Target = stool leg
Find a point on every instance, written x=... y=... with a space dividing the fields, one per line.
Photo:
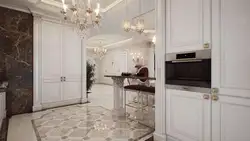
x=124 y=100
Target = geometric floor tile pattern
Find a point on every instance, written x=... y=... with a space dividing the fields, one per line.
x=87 y=123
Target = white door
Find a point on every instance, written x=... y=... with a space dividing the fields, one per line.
x=230 y=70
x=71 y=64
x=51 y=62
x=188 y=25
x=188 y=115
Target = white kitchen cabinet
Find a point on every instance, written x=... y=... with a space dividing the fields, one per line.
x=188 y=115
x=61 y=58
x=188 y=25
x=230 y=70
x=230 y=119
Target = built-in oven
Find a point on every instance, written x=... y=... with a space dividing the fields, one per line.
x=189 y=69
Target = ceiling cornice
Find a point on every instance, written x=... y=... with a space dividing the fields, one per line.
x=26 y=10
x=106 y=9
x=115 y=43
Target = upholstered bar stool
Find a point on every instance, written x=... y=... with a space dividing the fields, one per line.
x=142 y=90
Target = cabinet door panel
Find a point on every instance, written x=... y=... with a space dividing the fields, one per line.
x=51 y=50
x=71 y=67
x=51 y=62
x=51 y=92
x=188 y=116
x=230 y=120
x=71 y=52
x=231 y=50
x=188 y=25
x=72 y=89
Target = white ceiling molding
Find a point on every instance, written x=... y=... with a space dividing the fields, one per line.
x=106 y=9
x=60 y=5
x=53 y=3
x=34 y=1
x=116 y=43
x=26 y=10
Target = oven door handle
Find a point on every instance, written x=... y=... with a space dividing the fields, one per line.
x=188 y=60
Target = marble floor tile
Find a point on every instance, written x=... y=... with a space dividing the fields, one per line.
x=87 y=123
x=77 y=122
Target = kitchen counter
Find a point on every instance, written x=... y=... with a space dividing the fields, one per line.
x=130 y=76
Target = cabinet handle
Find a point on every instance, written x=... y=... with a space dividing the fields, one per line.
x=206 y=45
x=61 y=79
x=64 y=78
x=206 y=96
x=215 y=97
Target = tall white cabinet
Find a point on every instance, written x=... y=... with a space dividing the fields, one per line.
x=231 y=67
x=223 y=115
x=59 y=66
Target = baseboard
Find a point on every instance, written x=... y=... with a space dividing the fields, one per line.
x=85 y=100
x=159 y=137
x=36 y=108
x=169 y=138
x=61 y=103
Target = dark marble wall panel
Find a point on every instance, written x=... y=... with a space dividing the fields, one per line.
x=16 y=59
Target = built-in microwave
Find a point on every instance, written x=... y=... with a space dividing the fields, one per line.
x=189 y=69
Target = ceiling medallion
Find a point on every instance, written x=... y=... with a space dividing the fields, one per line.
x=100 y=51
x=81 y=13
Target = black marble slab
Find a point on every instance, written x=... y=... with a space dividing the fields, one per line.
x=16 y=59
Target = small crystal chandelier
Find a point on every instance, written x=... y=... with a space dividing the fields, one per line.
x=139 y=26
x=100 y=51
x=82 y=14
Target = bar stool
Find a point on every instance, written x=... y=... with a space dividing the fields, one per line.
x=142 y=90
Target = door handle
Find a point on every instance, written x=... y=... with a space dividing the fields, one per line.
x=215 y=97
x=206 y=96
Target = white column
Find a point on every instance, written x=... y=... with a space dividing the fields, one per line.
x=84 y=97
x=119 y=109
x=160 y=95
x=37 y=32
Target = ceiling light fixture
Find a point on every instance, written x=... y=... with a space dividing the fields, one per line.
x=139 y=26
x=100 y=51
x=82 y=14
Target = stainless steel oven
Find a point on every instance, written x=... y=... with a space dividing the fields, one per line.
x=189 y=69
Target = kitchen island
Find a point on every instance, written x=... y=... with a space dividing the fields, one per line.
x=119 y=98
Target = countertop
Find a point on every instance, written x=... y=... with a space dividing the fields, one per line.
x=131 y=76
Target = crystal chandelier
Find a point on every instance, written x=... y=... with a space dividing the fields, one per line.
x=138 y=27
x=81 y=13
x=100 y=51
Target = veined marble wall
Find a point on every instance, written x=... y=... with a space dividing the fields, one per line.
x=16 y=53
